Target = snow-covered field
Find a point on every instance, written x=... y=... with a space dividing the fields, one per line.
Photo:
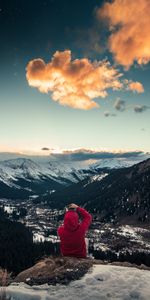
x=103 y=282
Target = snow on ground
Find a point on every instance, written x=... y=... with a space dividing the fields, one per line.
x=9 y=209
x=96 y=178
x=134 y=233
x=39 y=237
x=130 y=230
x=102 y=283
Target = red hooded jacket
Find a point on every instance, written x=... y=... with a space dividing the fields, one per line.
x=72 y=233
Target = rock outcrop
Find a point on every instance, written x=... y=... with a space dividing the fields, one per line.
x=53 y=270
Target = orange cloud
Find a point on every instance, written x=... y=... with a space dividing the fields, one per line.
x=129 y=23
x=136 y=87
x=74 y=83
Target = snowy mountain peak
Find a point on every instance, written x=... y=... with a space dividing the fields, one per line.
x=115 y=163
x=19 y=163
x=19 y=168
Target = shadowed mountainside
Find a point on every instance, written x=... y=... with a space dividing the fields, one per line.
x=122 y=194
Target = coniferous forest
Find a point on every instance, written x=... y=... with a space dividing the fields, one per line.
x=17 y=250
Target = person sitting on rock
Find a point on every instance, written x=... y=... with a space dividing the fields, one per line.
x=72 y=232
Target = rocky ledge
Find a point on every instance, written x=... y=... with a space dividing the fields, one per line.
x=55 y=270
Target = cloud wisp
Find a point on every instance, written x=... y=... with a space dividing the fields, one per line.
x=140 y=108
x=86 y=154
x=88 y=41
x=129 y=24
x=109 y=114
x=120 y=105
x=45 y=149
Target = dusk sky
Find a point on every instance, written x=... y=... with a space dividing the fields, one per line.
x=74 y=74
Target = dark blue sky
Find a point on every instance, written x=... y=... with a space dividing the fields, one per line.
x=29 y=27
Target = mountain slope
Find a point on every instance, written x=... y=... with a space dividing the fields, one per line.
x=21 y=177
x=124 y=193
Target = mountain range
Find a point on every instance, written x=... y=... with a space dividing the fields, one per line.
x=21 y=178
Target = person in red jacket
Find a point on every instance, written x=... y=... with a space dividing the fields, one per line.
x=72 y=232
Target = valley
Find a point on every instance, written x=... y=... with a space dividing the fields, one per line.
x=107 y=241
x=118 y=199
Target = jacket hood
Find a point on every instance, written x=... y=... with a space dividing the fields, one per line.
x=71 y=220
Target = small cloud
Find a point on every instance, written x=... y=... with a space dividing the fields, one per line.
x=108 y=114
x=135 y=86
x=129 y=24
x=45 y=149
x=119 y=105
x=140 y=108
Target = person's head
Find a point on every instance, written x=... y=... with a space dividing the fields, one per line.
x=71 y=220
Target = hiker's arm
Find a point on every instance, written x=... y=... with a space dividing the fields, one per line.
x=86 y=218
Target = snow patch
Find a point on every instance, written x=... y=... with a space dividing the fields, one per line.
x=104 y=282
